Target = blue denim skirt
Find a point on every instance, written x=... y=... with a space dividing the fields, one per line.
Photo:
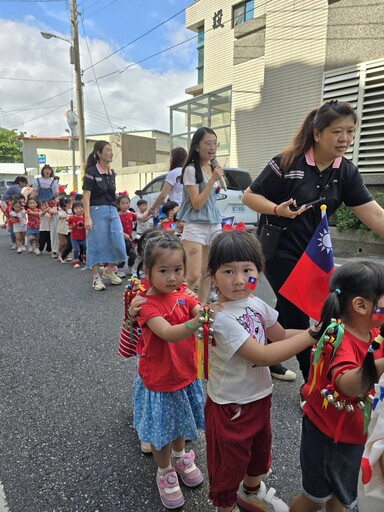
x=105 y=241
x=162 y=417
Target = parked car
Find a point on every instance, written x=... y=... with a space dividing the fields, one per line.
x=228 y=202
x=4 y=184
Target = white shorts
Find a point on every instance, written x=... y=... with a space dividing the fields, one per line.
x=200 y=233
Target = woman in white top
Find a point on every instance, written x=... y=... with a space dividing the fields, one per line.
x=198 y=209
x=172 y=187
x=46 y=186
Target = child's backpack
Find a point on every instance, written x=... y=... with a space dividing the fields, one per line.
x=44 y=194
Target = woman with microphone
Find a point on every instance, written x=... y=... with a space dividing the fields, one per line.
x=201 y=217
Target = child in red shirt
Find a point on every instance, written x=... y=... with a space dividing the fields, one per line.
x=127 y=219
x=78 y=233
x=33 y=225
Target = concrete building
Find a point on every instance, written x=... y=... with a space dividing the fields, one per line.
x=262 y=66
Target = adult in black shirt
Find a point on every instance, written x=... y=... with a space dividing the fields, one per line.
x=105 y=240
x=312 y=167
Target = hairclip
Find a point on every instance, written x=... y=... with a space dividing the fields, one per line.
x=337 y=291
x=333 y=102
x=376 y=343
x=240 y=226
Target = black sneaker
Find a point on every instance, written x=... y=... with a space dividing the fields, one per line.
x=280 y=372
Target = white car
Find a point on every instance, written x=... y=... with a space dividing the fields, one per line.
x=228 y=202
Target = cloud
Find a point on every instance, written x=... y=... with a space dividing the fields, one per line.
x=138 y=98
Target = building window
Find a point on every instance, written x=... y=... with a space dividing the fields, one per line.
x=200 y=54
x=243 y=12
x=213 y=110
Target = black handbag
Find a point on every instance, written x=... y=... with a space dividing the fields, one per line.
x=269 y=238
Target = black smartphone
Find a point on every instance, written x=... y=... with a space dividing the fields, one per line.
x=294 y=208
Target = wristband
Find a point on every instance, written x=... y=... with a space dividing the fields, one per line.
x=275 y=210
x=191 y=326
x=133 y=318
x=315 y=335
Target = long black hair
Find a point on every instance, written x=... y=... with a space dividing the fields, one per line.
x=193 y=156
x=361 y=279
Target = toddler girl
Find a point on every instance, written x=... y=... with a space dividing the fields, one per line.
x=127 y=218
x=237 y=411
x=33 y=225
x=78 y=233
x=44 y=231
x=65 y=245
x=333 y=437
x=168 y=396
x=18 y=218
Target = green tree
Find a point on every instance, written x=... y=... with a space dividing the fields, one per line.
x=11 y=146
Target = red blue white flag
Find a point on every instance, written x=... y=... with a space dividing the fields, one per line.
x=307 y=286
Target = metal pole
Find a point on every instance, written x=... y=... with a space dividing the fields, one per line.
x=79 y=85
x=74 y=177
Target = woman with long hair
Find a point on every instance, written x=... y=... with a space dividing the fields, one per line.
x=313 y=167
x=105 y=240
x=198 y=211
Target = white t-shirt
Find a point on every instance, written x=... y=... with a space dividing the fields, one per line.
x=189 y=177
x=20 y=226
x=46 y=183
x=232 y=378
x=45 y=222
x=174 y=179
x=62 y=226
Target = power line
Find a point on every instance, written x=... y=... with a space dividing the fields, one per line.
x=94 y=74
x=136 y=39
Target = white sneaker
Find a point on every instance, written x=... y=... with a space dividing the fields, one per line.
x=30 y=248
x=62 y=261
x=69 y=258
x=111 y=277
x=37 y=251
x=23 y=248
x=121 y=273
x=263 y=500
x=131 y=271
x=98 y=284
x=53 y=255
x=13 y=247
x=19 y=249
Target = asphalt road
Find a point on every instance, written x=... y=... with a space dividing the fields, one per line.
x=66 y=437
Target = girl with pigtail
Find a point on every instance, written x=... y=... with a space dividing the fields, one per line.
x=348 y=360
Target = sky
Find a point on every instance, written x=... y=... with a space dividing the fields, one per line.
x=126 y=86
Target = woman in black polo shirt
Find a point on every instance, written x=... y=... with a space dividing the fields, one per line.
x=105 y=240
x=312 y=167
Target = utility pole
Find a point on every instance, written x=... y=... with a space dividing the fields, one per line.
x=79 y=84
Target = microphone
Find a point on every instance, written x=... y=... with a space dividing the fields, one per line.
x=223 y=183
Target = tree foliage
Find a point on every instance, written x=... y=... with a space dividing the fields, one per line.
x=11 y=146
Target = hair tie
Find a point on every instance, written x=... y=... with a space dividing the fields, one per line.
x=337 y=291
x=333 y=102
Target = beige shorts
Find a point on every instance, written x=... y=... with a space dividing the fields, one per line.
x=200 y=233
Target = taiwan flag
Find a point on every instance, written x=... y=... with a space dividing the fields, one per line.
x=307 y=286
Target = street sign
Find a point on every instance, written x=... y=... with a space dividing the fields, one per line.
x=41 y=159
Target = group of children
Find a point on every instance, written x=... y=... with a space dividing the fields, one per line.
x=160 y=324
x=57 y=226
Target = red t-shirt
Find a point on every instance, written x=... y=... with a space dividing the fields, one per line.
x=169 y=224
x=76 y=224
x=165 y=366
x=127 y=220
x=33 y=220
x=351 y=354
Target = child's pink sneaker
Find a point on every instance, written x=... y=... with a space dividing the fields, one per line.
x=186 y=469
x=169 y=489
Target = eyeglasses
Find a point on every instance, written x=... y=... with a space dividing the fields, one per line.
x=212 y=144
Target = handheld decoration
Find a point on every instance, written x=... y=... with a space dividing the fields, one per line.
x=204 y=335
